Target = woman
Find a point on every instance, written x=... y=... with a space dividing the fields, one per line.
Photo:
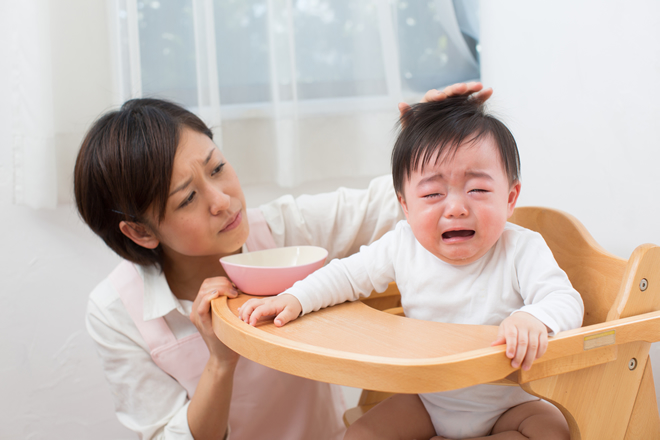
x=152 y=184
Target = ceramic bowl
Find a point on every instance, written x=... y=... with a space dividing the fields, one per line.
x=272 y=271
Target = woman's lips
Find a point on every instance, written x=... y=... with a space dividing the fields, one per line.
x=233 y=224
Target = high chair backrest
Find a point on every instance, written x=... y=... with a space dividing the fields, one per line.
x=594 y=272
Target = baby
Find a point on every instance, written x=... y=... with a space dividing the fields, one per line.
x=455 y=259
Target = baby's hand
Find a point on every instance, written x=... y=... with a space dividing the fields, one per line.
x=526 y=339
x=285 y=308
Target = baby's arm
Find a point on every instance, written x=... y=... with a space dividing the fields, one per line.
x=345 y=279
x=284 y=307
x=327 y=286
x=551 y=304
x=526 y=339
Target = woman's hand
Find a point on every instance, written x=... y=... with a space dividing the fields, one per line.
x=201 y=316
x=285 y=308
x=526 y=339
x=476 y=89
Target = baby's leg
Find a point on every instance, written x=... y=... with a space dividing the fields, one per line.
x=400 y=417
x=535 y=420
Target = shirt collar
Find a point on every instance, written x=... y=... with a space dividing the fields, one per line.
x=158 y=298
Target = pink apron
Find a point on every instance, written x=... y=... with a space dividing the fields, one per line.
x=265 y=404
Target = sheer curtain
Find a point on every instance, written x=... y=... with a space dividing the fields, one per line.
x=295 y=90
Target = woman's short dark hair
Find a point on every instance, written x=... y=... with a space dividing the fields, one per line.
x=124 y=168
x=431 y=129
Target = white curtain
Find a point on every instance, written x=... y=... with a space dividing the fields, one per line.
x=296 y=90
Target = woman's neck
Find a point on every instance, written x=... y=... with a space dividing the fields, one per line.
x=185 y=274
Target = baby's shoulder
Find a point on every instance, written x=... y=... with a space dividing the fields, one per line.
x=519 y=238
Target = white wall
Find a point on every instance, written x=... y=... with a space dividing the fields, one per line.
x=52 y=385
x=576 y=83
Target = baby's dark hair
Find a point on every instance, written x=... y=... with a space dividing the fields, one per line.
x=430 y=130
x=124 y=168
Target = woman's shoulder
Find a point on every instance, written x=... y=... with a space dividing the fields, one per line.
x=380 y=189
x=340 y=221
x=106 y=315
x=104 y=294
x=107 y=291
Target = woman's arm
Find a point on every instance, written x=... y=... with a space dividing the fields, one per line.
x=208 y=412
x=147 y=400
x=340 y=221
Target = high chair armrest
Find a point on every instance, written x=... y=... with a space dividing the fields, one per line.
x=591 y=345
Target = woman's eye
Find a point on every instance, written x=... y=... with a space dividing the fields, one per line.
x=188 y=200
x=217 y=169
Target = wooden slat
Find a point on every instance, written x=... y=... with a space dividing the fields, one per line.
x=644 y=420
x=644 y=264
x=596 y=401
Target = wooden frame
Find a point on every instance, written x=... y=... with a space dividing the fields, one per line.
x=599 y=375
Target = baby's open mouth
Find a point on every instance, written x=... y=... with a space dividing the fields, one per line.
x=462 y=233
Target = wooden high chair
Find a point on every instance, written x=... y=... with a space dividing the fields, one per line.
x=599 y=375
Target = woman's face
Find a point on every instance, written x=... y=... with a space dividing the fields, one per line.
x=205 y=212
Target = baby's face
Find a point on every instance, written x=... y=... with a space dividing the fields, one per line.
x=457 y=207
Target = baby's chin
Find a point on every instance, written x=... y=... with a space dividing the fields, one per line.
x=461 y=257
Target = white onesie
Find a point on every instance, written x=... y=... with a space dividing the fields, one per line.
x=518 y=274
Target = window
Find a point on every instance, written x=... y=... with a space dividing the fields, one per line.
x=287 y=62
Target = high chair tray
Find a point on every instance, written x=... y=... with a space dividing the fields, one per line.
x=355 y=345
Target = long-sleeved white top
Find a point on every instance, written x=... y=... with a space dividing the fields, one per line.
x=147 y=400
x=518 y=274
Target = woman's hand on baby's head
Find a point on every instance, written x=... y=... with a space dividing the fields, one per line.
x=526 y=339
x=475 y=89
x=284 y=308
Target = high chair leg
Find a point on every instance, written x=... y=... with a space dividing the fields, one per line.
x=645 y=421
x=605 y=401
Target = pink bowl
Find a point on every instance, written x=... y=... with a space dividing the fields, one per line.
x=272 y=271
